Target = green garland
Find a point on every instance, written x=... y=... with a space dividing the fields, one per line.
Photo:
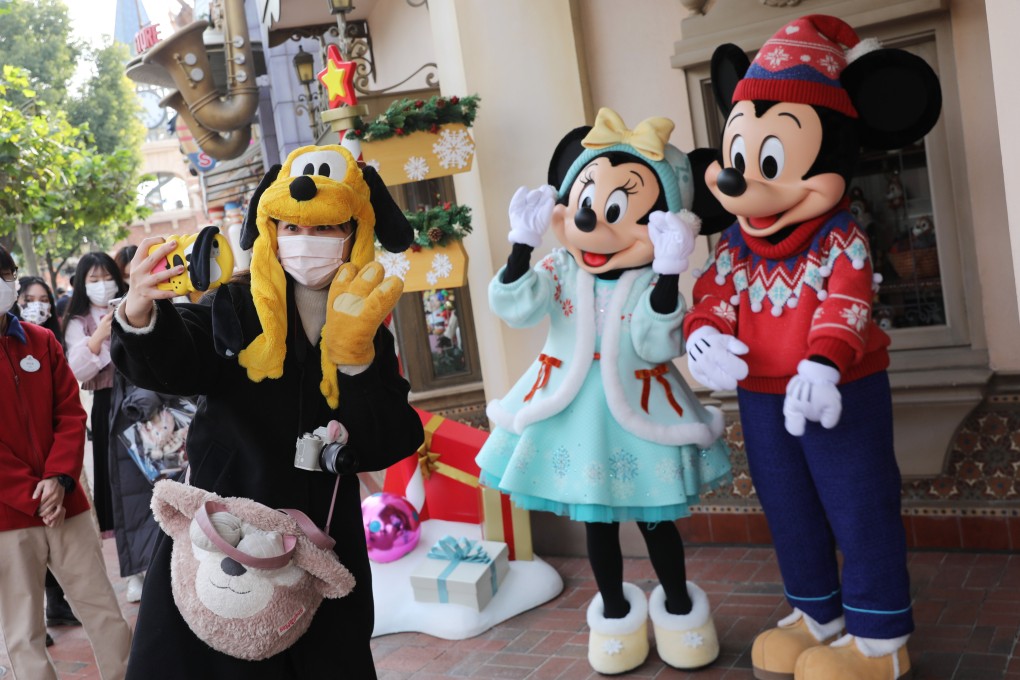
x=405 y=116
x=437 y=226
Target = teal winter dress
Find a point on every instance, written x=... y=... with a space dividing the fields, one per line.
x=601 y=428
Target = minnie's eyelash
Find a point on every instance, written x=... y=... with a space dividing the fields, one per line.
x=630 y=188
x=587 y=179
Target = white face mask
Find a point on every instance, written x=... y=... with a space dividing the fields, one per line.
x=101 y=292
x=36 y=312
x=8 y=295
x=311 y=260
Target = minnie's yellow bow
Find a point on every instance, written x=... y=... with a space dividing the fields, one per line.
x=648 y=138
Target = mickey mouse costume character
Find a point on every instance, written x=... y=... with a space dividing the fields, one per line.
x=298 y=346
x=602 y=428
x=783 y=313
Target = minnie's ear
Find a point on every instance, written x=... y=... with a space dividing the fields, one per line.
x=714 y=217
x=897 y=97
x=729 y=64
x=394 y=232
x=249 y=230
x=565 y=154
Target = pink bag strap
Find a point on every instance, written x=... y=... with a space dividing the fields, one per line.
x=276 y=562
x=316 y=535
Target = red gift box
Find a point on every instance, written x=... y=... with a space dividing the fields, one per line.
x=447 y=462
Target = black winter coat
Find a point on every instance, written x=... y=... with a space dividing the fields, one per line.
x=241 y=443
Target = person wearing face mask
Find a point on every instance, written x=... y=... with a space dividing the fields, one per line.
x=44 y=519
x=282 y=349
x=87 y=323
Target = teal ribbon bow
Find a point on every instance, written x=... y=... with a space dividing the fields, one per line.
x=456 y=552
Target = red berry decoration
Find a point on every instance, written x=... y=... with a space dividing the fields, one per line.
x=419 y=103
x=446 y=206
x=454 y=99
x=399 y=131
x=415 y=248
x=440 y=103
x=434 y=128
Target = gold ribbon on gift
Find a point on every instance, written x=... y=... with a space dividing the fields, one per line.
x=428 y=460
x=649 y=137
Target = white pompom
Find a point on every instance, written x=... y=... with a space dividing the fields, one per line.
x=858 y=263
x=735 y=300
x=720 y=279
x=877 y=278
x=792 y=303
x=755 y=307
x=777 y=310
x=825 y=270
x=696 y=273
x=822 y=294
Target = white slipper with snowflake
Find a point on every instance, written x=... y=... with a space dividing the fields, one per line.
x=618 y=645
x=684 y=641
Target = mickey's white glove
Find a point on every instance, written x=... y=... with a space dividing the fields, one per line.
x=530 y=214
x=812 y=395
x=714 y=358
x=672 y=236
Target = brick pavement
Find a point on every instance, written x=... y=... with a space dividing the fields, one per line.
x=967 y=608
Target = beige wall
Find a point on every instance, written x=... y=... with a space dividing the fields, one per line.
x=397 y=57
x=1003 y=22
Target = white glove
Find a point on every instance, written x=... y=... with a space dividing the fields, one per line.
x=672 y=236
x=530 y=214
x=714 y=358
x=812 y=395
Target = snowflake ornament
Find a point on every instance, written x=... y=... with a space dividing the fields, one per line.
x=431 y=277
x=612 y=647
x=374 y=163
x=454 y=148
x=416 y=168
x=395 y=264
x=441 y=265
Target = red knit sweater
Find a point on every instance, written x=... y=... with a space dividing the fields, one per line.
x=808 y=295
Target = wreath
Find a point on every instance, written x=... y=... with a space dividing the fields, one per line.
x=406 y=116
x=437 y=226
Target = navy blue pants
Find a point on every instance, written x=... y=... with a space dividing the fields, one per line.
x=835 y=488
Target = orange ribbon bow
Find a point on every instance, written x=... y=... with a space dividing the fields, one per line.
x=542 y=379
x=646 y=376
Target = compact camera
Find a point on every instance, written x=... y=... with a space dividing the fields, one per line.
x=325 y=450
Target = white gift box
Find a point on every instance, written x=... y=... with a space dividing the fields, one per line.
x=461 y=571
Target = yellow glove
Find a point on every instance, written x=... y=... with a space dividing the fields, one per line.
x=357 y=305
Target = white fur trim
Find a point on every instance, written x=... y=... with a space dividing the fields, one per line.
x=122 y=321
x=584 y=353
x=862 y=48
x=699 y=615
x=821 y=631
x=874 y=648
x=634 y=619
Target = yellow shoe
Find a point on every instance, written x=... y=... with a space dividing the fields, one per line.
x=684 y=641
x=618 y=645
x=851 y=658
x=775 y=652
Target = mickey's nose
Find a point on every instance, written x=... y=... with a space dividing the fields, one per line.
x=303 y=188
x=232 y=567
x=730 y=182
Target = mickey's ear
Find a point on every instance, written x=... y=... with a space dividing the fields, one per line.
x=729 y=64
x=565 y=154
x=249 y=230
x=394 y=232
x=897 y=97
x=714 y=217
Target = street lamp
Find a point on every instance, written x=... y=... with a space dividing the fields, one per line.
x=340 y=6
x=304 y=66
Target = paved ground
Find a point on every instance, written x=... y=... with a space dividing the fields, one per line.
x=967 y=607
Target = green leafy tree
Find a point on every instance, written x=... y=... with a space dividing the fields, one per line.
x=35 y=35
x=108 y=105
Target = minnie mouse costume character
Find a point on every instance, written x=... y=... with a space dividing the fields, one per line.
x=783 y=310
x=602 y=427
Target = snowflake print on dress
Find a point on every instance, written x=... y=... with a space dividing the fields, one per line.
x=395 y=264
x=594 y=473
x=561 y=461
x=525 y=456
x=453 y=149
x=668 y=470
x=416 y=168
x=568 y=307
x=856 y=316
x=623 y=465
x=776 y=57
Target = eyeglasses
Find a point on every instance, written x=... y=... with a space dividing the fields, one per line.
x=9 y=276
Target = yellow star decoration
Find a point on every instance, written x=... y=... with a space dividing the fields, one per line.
x=338 y=79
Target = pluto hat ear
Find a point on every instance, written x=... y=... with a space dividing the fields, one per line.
x=394 y=232
x=249 y=230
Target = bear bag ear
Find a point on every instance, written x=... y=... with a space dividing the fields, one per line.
x=565 y=154
x=897 y=97
x=729 y=64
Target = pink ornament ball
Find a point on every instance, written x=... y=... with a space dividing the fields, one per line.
x=392 y=526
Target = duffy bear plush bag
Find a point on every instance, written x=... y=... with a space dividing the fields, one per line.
x=246 y=578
